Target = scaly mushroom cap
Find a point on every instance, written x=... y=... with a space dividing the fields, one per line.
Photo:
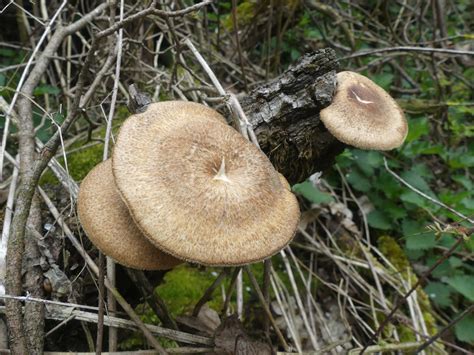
x=198 y=190
x=364 y=115
x=108 y=224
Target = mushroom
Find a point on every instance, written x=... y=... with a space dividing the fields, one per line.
x=108 y=224
x=198 y=190
x=364 y=115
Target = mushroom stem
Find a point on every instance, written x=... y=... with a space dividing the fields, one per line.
x=221 y=173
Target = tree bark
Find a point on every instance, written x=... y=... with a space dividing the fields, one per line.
x=33 y=283
x=285 y=116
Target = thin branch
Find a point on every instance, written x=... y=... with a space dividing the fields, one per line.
x=112 y=304
x=208 y=294
x=429 y=198
x=408 y=49
x=152 y=298
x=152 y=10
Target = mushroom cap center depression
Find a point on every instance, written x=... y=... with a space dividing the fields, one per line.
x=215 y=177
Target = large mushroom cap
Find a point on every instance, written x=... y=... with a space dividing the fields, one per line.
x=108 y=224
x=364 y=115
x=198 y=190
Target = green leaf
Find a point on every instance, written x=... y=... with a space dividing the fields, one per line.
x=6 y=52
x=412 y=197
x=460 y=158
x=422 y=170
x=367 y=161
x=46 y=89
x=384 y=80
x=464 y=329
x=455 y=262
x=394 y=211
x=439 y=293
x=422 y=147
x=359 y=181
x=416 y=236
x=417 y=128
x=346 y=159
x=464 y=284
x=295 y=54
x=464 y=181
x=379 y=220
x=452 y=198
x=414 y=178
x=422 y=241
x=389 y=186
x=311 y=193
x=313 y=33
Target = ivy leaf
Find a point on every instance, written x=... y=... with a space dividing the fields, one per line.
x=464 y=329
x=312 y=193
x=414 y=178
x=468 y=203
x=464 y=284
x=416 y=236
x=422 y=147
x=46 y=89
x=359 y=181
x=464 y=181
x=455 y=262
x=439 y=293
x=367 y=161
x=422 y=241
x=384 y=80
x=295 y=54
x=417 y=128
x=388 y=185
x=394 y=211
x=412 y=197
x=5 y=52
x=378 y=220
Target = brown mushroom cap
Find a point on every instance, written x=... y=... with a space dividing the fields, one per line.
x=108 y=224
x=364 y=115
x=198 y=190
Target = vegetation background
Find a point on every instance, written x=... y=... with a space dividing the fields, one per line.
x=366 y=236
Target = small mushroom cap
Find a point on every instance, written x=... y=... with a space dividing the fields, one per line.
x=108 y=224
x=364 y=115
x=198 y=190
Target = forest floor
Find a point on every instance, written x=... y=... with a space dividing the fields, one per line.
x=382 y=260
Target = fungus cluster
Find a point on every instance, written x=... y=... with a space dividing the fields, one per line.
x=183 y=185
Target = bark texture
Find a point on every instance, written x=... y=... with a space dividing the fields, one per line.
x=33 y=283
x=285 y=116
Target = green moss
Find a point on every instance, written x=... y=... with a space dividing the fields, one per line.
x=395 y=254
x=79 y=163
x=184 y=286
x=406 y=334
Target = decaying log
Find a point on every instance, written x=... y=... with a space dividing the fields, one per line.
x=285 y=116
